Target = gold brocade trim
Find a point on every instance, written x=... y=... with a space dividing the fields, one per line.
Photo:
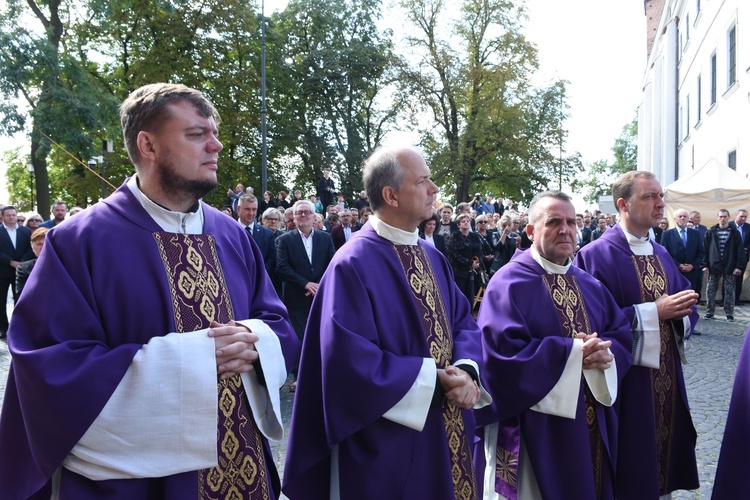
x=429 y=302
x=568 y=301
x=654 y=284
x=566 y=295
x=506 y=466
x=199 y=296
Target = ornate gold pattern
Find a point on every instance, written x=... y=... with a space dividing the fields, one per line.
x=664 y=393
x=506 y=466
x=429 y=301
x=199 y=296
x=568 y=300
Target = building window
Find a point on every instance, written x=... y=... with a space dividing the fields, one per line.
x=698 y=99
x=732 y=160
x=687 y=115
x=732 y=55
x=697 y=8
x=713 y=79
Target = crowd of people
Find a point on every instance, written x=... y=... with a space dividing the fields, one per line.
x=158 y=375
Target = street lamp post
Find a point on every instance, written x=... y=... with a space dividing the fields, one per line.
x=30 y=170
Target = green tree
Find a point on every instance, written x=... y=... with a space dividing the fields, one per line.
x=332 y=69
x=38 y=70
x=491 y=130
x=602 y=174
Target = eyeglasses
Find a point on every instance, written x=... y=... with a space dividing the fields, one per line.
x=304 y=213
x=35 y=220
x=271 y=219
x=21 y=219
x=481 y=222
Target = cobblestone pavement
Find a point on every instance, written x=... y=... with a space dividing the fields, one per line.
x=709 y=375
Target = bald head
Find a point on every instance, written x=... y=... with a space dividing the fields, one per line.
x=681 y=218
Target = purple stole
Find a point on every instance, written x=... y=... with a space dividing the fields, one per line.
x=431 y=309
x=653 y=283
x=200 y=296
x=571 y=311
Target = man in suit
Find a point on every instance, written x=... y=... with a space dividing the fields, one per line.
x=15 y=247
x=247 y=207
x=739 y=223
x=59 y=209
x=302 y=256
x=341 y=233
x=326 y=188
x=686 y=248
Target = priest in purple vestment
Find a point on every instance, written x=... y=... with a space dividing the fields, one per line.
x=730 y=482
x=148 y=330
x=656 y=453
x=555 y=347
x=386 y=381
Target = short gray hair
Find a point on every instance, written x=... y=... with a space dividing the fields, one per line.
x=533 y=207
x=382 y=169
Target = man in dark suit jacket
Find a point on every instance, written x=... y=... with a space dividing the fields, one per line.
x=340 y=234
x=326 y=188
x=740 y=224
x=688 y=256
x=247 y=208
x=302 y=256
x=15 y=247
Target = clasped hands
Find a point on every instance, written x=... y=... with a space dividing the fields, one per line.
x=235 y=348
x=595 y=351
x=460 y=389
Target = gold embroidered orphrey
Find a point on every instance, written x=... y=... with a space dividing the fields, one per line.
x=653 y=284
x=568 y=300
x=200 y=296
x=429 y=302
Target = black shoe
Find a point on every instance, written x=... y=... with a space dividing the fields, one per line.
x=696 y=333
x=709 y=316
x=730 y=318
x=737 y=303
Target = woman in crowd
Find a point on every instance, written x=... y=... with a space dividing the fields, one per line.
x=24 y=269
x=266 y=203
x=282 y=201
x=465 y=255
x=427 y=233
x=33 y=220
x=482 y=223
x=504 y=242
x=227 y=210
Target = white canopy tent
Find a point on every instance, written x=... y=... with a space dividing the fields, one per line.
x=710 y=188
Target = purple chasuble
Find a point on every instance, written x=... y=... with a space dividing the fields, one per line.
x=359 y=358
x=657 y=438
x=200 y=296
x=429 y=302
x=528 y=320
x=108 y=266
x=730 y=482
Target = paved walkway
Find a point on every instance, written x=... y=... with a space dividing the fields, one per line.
x=709 y=375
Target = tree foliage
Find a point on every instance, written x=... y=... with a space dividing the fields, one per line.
x=332 y=69
x=602 y=174
x=491 y=130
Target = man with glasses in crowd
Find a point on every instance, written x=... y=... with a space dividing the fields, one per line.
x=302 y=256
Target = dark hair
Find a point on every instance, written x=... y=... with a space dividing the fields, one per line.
x=435 y=217
x=145 y=109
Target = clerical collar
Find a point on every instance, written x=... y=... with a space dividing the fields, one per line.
x=639 y=245
x=547 y=265
x=169 y=220
x=393 y=234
